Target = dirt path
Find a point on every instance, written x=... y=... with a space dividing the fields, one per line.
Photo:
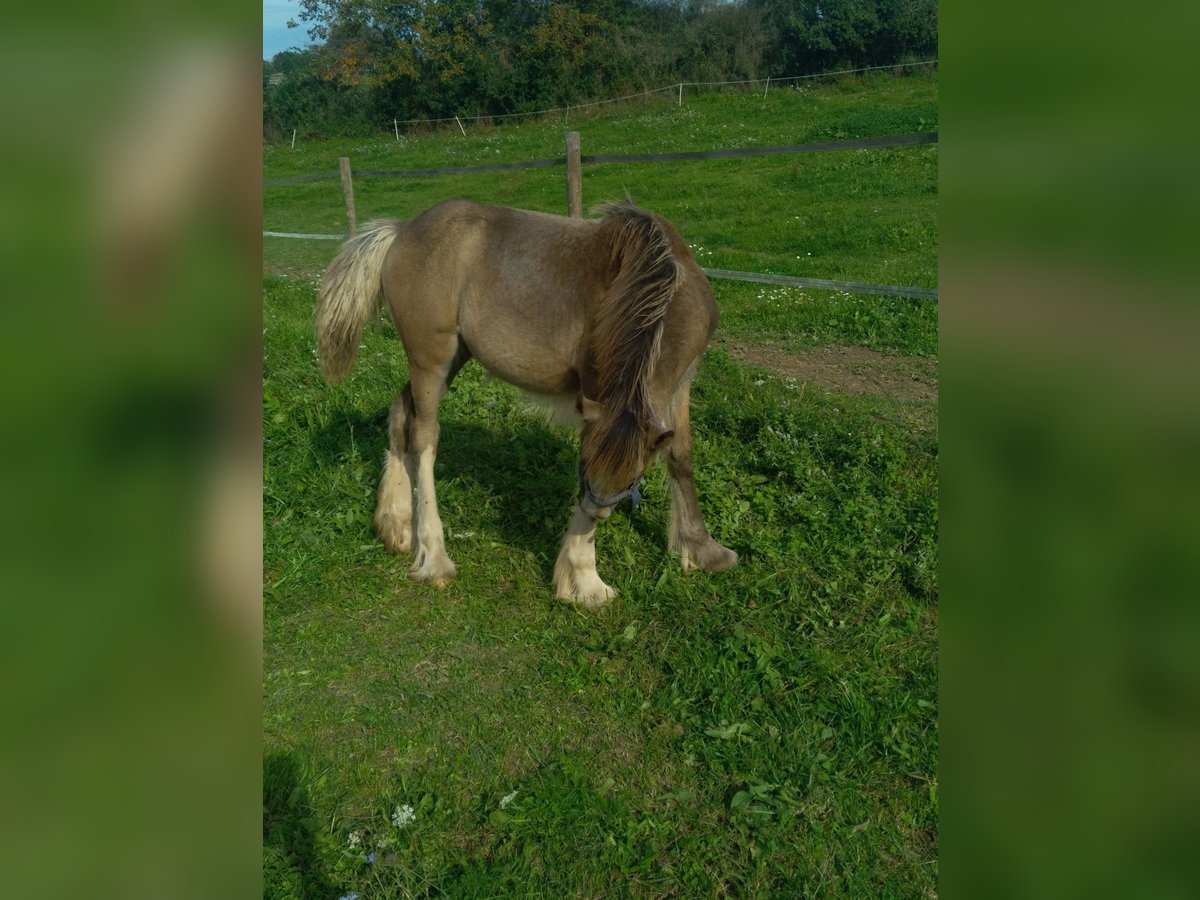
x=850 y=370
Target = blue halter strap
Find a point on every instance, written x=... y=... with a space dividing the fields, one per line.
x=631 y=492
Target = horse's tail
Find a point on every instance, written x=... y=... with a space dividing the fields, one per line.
x=349 y=295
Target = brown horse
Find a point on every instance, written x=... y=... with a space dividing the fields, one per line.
x=610 y=315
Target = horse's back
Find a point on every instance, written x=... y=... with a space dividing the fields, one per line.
x=516 y=287
x=512 y=283
x=471 y=242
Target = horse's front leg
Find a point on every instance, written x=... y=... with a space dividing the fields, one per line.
x=688 y=534
x=575 y=576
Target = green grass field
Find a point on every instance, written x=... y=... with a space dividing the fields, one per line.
x=771 y=731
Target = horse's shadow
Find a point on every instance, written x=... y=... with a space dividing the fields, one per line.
x=527 y=477
x=290 y=851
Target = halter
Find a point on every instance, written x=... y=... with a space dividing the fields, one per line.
x=630 y=492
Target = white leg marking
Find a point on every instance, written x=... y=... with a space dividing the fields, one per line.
x=431 y=563
x=575 y=576
x=394 y=510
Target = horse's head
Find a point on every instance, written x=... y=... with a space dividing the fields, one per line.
x=616 y=445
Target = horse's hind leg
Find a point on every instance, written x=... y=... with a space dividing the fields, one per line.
x=394 y=509
x=429 y=385
x=689 y=535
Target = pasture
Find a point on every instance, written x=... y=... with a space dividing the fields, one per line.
x=769 y=731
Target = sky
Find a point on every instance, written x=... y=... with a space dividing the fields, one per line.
x=276 y=35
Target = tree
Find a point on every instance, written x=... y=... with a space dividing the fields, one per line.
x=379 y=59
x=562 y=46
x=906 y=28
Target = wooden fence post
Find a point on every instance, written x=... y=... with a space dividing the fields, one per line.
x=348 y=192
x=574 y=177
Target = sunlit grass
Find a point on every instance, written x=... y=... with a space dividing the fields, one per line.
x=867 y=216
x=770 y=731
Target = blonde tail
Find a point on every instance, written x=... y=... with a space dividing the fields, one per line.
x=349 y=296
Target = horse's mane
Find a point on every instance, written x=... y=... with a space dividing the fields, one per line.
x=626 y=332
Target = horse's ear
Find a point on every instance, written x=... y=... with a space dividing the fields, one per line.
x=589 y=409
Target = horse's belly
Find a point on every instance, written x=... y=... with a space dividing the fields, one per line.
x=524 y=328
x=532 y=359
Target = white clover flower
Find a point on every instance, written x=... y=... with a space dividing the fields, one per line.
x=355 y=837
x=403 y=815
x=507 y=799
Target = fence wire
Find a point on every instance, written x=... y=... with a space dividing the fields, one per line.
x=823 y=284
x=676 y=87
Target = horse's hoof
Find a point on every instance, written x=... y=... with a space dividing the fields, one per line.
x=438 y=573
x=595 y=597
x=720 y=561
x=436 y=580
x=710 y=557
x=397 y=538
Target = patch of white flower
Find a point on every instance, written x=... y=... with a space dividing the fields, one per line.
x=355 y=838
x=507 y=799
x=782 y=297
x=403 y=816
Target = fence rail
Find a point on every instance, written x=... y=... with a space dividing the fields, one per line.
x=574 y=159
x=824 y=284
x=893 y=140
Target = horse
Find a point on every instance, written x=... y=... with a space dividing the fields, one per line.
x=606 y=316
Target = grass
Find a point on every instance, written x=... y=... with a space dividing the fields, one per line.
x=867 y=216
x=769 y=731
